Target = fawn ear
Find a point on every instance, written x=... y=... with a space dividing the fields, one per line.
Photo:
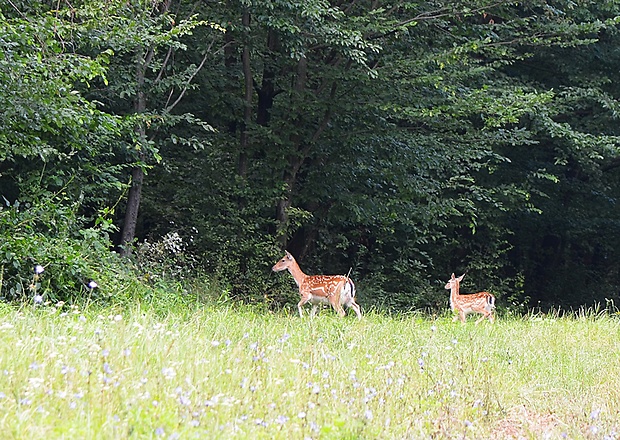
x=288 y=254
x=459 y=279
x=452 y=275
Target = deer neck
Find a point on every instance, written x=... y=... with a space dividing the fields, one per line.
x=454 y=293
x=297 y=273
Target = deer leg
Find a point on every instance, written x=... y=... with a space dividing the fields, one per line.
x=339 y=309
x=349 y=301
x=485 y=315
x=334 y=300
x=356 y=308
x=304 y=300
x=314 y=309
x=462 y=316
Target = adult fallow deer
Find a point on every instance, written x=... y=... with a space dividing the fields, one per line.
x=337 y=290
x=481 y=302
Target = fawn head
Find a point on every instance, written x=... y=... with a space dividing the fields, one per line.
x=284 y=263
x=454 y=281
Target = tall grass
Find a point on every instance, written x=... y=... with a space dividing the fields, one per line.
x=227 y=372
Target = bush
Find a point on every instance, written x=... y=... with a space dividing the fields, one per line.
x=46 y=254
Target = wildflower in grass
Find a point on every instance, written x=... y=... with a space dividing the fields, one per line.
x=285 y=337
x=281 y=419
x=433 y=328
x=371 y=392
x=261 y=422
x=168 y=372
x=92 y=285
x=368 y=415
x=353 y=376
x=301 y=414
x=35 y=382
x=611 y=436
x=159 y=432
x=386 y=366
x=38 y=299
x=38 y=269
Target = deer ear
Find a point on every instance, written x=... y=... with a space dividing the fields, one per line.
x=460 y=278
x=453 y=275
x=288 y=254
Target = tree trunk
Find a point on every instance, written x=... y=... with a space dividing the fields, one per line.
x=131 y=212
x=267 y=92
x=242 y=165
x=137 y=175
x=295 y=161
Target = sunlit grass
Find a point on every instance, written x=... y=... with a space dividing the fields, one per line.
x=221 y=372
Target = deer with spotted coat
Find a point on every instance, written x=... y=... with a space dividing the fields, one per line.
x=481 y=302
x=337 y=290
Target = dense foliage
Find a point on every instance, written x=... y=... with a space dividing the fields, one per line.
x=401 y=141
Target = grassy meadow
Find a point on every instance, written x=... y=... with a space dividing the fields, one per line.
x=233 y=372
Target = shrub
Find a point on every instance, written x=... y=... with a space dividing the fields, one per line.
x=47 y=254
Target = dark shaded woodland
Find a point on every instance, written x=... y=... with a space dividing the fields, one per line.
x=401 y=141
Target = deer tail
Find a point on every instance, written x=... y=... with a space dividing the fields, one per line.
x=351 y=287
x=491 y=300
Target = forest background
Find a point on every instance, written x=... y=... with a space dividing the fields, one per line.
x=177 y=143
